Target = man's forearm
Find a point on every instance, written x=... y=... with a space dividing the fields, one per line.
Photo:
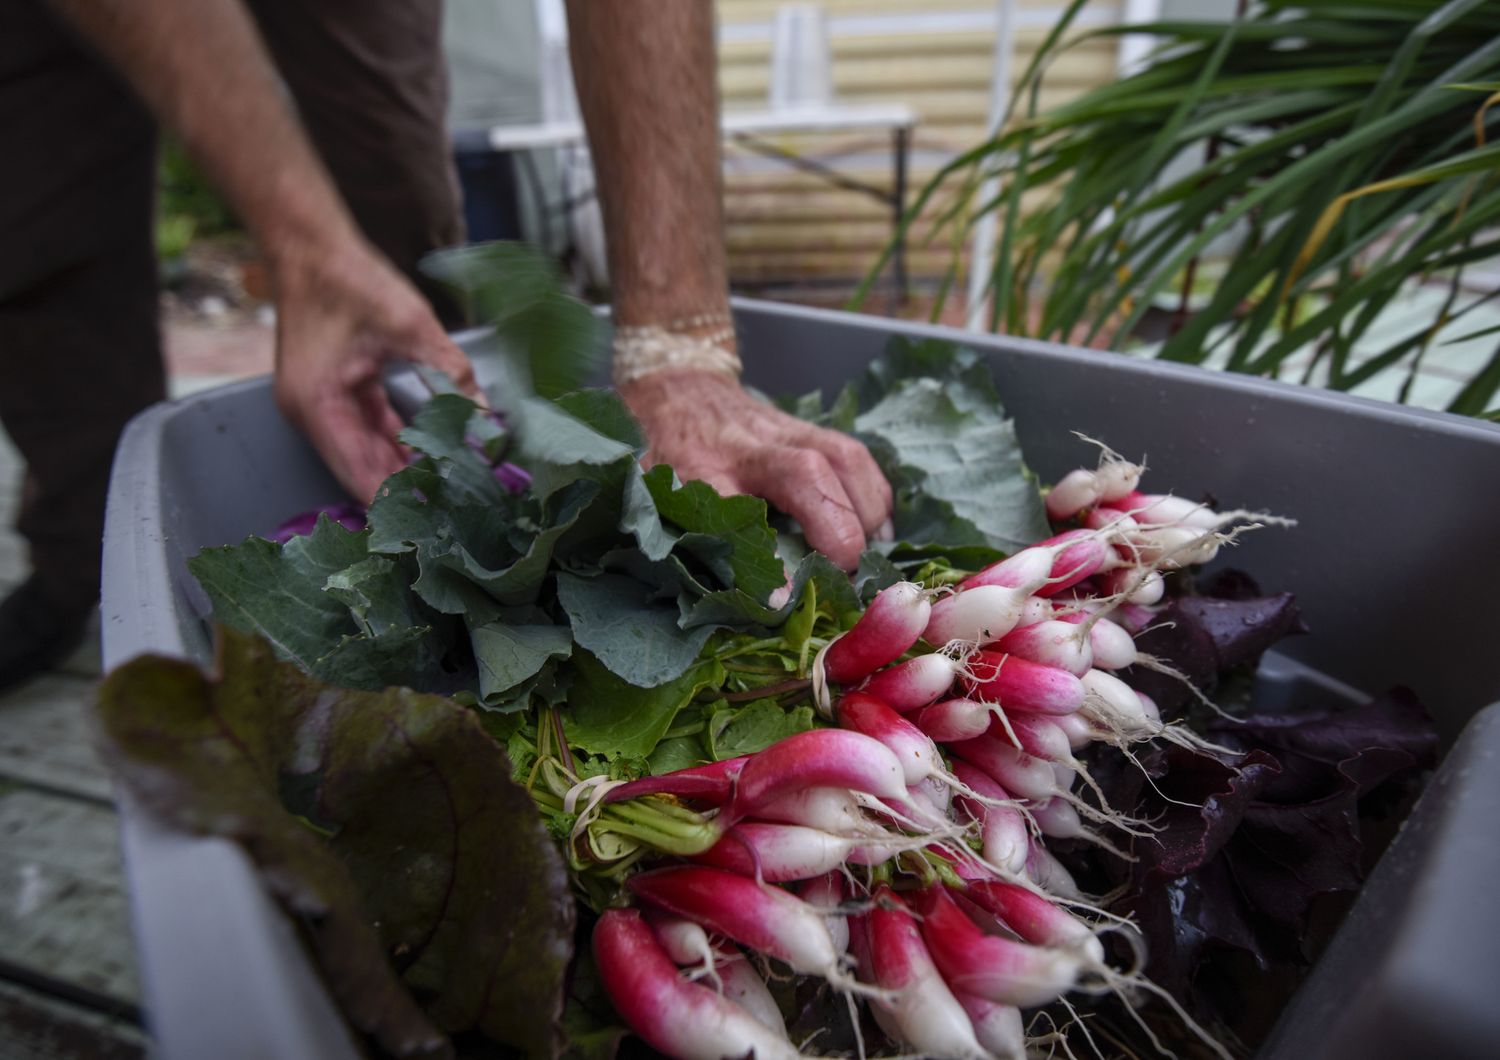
x=201 y=68
x=645 y=72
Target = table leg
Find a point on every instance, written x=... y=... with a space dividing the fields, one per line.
x=901 y=137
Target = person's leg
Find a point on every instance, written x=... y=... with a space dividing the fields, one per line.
x=79 y=343
x=372 y=88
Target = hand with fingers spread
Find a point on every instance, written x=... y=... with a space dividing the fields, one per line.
x=707 y=427
x=343 y=316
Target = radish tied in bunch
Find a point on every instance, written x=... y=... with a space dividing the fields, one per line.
x=897 y=849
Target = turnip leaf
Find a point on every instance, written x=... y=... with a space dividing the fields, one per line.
x=956 y=466
x=277 y=590
x=637 y=637
x=551 y=338
x=508 y=653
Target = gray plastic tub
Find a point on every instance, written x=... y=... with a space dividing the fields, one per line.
x=1395 y=562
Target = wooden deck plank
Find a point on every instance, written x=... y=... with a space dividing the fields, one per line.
x=45 y=737
x=63 y=911
x=36 y=1027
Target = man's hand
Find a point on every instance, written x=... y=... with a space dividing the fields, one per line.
x=341 y=318
x=707 y=427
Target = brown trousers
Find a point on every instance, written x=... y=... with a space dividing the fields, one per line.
x=79 y=340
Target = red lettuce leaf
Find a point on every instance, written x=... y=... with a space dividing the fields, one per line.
x=1256 y=847
x=1204 y=636
x=386 y=822
x=1267 y=837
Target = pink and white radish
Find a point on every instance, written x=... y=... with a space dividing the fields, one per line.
x=916 y=751
x=1134 y=617
x=1111 y=647
x=816 y=758
x=1020 y=684
x=778 y=853
x=1035 y=918
x=744 y=986
x=1159 y=509
x=1134 y=585
x=1081 y=488
x=1075 y=491
x=725 y=967
x=977 y=616
x=1050 y=874
x=955 y=719
x=828 y=809
x=1019 y=773
x=921 y=1009
x=925 y=809
x=892 y=623
x=1114 y=706
x=1004 y=836
x=913 y=684
x=912 y=747
x=1038 y=735
x=1056 y=642
x=1078 y=554
x=1078 y=729
x=683 y=1019
x=989 y=966
x=758 y=915
x=1049 y=567
x=1172 y=547
x=685 y=942
x=1058 y=819
x=826 y=894
x=710 y=783
x=1115 y=522
x=999 y=1028
x=1117 y=477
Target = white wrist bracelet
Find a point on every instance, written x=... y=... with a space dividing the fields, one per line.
x=641 y=350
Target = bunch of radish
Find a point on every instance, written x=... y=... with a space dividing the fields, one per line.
x=900 y=853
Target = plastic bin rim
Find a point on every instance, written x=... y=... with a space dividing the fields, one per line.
x=1077 y=356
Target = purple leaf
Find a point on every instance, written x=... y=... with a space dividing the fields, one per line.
x=349 y=516
x=513 y=478
x=1202 y=636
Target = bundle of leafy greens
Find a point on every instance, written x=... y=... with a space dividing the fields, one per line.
x=458 y=584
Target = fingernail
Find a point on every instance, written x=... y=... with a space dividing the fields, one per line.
x=887 y=532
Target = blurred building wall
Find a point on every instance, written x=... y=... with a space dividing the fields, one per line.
x=937 y=57
x=784 y=227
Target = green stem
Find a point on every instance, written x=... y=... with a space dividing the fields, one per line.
x=795 y=684
x=660 y=806
x=944 y=871
x=691 y=728
x=769 y=644
x=762 y=671
x=698 y=834
x=671 y=841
